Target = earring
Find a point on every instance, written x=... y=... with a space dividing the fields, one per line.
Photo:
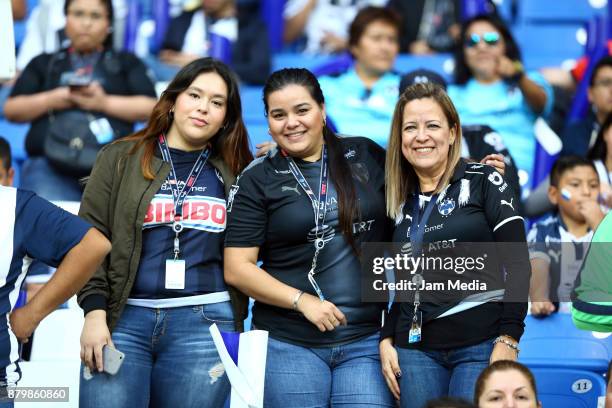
x=324 y=121
x=269 y=132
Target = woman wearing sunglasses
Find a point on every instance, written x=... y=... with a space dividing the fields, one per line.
x=493 y=88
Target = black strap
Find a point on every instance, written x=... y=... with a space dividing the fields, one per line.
x=416 y=237
x=319 y=205
x=179 y=194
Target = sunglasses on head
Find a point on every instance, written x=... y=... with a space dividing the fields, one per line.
x=489 y=38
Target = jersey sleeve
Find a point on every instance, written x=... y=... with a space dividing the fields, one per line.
x=500 y=204
x=501 y=211
x=49 y=232
x=537 y=244
x=32 y=79
x=246 y=209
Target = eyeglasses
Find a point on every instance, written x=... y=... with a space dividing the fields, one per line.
x=82 y=15
x=604 y=83
x=490 y=38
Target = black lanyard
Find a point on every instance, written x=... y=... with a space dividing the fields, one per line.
x=319 y=206
x=416 y=240
x=416 y=237
x=179 y=194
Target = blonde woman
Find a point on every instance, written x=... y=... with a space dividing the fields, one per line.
x=428 y=184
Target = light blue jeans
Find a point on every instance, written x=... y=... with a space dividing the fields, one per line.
x=430 y=374
x=170 y=360
x=342 y=376
x=39 y=176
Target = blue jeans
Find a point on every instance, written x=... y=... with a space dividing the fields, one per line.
x=429 y=374
x=39 y=176
x=347 y=375
x=170 y=360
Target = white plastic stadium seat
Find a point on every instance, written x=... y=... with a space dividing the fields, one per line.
x=57 y=336
x=51 y=374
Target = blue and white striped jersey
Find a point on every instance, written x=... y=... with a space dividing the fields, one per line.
x=30 y=228
x=551 y=241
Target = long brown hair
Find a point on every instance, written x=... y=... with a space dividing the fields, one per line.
x=399 y=174
x=231 y=143
x=339 y=169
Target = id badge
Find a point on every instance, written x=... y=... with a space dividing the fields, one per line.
x=414 y=335
x=175 y=274
x=102 y=130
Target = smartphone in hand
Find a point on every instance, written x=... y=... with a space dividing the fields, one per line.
x=112 y=359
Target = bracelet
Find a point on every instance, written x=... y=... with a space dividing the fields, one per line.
x=520 y=71
x=296 y=298
x=504 y=340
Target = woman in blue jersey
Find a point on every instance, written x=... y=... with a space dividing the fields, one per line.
x=159 y=195
x=304 y=209
x=493 y=88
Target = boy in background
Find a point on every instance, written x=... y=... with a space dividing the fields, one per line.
x=558 y=244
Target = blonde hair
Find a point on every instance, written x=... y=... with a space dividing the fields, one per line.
x=400 y=176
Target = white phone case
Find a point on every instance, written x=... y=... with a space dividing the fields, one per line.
x=113 y=359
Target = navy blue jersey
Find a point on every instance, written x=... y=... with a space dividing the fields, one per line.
x=201 y=241
x=549 y=240
x=30 y=228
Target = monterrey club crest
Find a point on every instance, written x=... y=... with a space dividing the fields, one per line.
x=446 y=207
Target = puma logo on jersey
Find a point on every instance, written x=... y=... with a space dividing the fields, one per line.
x=509 y=204
x=554 y=254
x=287 y=188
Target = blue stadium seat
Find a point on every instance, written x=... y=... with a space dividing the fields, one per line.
x=258 y=132
x=564 y=388
x=252 y=104
x=340 y=63
x=272 y=14
x=554 y=341
x=19 y=27
x=557 y=11
x=404 y=62
x=440 y=63
x=17 y=169
x=297 y=60
x=555 y=41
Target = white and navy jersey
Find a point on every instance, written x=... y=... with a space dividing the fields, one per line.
x=477 y=206
x=201 y=241
x=550 y=241
x=482 y=140
x=271 y=211
x=30 y=228
x=477 y=196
